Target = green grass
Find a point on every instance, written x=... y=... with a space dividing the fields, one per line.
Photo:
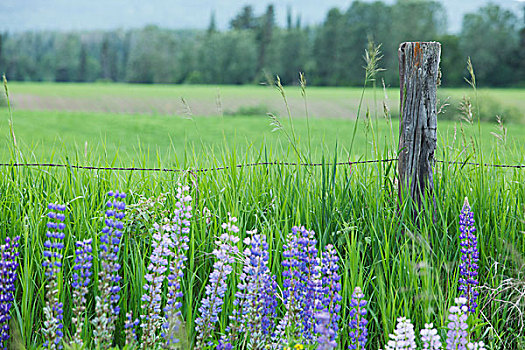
x=404 y=269
x=169 y=140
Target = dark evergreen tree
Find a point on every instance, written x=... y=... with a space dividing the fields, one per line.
x=212 y=27
x=104 y=59
x=245 y=20
x=82 y=65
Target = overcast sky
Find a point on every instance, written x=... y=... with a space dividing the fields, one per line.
x=23 y=15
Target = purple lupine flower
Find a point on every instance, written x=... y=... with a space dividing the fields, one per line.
x=358 y=331
x=457 y=335
x=179 y=230
x=130 y=329
x=329 y=293
x=326 y=333
x=256 y=302
x=429 y=337
x=311 y=281
x=404 y=337
x=468 y=268
x=152 y=297
x=216 y=288
x=53 y=310
x=8 y=267
x=106 y=307
x=292 y=292
x=302 y=283
x=81 y=278
x=224 y=344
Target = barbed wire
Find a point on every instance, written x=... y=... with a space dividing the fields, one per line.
x=203 y=170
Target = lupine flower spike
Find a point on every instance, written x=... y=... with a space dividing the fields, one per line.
x=429 y=337
x=216 y=288
x=404 y=337
x=468 y=268
x=358 y=331
x=179 y=234
x=302 y=284
x=457 y=335
x=81 y=278
x=53 y=309
x=326 y=335
x=152 y=297
x=8 y=267
x=106 y=307
x=256 y=301
x=130 y=329
x=329 y=296
x=476 y=346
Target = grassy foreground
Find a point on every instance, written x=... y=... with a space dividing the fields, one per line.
x=404 y=270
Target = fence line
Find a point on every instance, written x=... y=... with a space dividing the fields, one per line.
x=203 y=170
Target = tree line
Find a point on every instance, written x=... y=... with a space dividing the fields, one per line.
x=255 y=48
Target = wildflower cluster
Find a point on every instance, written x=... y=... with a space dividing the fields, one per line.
x=152 y=297
x=81 y=278
x=53 y=309
x=404 y=337
x=8 y=267
x=468 y=267
x=457 y=335
x=179 y=236
x=331 y=286
x=457 y=332
x=106 y=307
x=302 y=284
x=358 y=331
x=429 y=337
x=311 y=290
x=216 y=288
x=256 y=302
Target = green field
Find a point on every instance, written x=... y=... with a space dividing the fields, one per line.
x=106 y=123
x=213 y=100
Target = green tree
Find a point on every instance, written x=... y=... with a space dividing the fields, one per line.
x=327 y=50
x=245 y=20
x=67 y=53
x=212 y=27
x=364 y=22
x=264 y=38
x=452 y=61
x=82 y=65
x=490 y=38
x=417 y=20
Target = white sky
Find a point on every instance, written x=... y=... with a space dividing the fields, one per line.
x=22 y=15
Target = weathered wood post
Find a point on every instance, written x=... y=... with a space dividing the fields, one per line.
x=418 y=75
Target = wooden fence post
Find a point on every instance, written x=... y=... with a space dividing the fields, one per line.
x=418 y=75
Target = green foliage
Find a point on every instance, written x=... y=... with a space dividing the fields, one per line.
x=255 y=47
x=490 y=38
x=257 y=110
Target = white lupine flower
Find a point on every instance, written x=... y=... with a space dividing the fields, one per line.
x=476 y=346
x=404 y=337
x=429 y=337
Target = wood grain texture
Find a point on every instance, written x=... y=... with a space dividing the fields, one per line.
x=418 y=75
